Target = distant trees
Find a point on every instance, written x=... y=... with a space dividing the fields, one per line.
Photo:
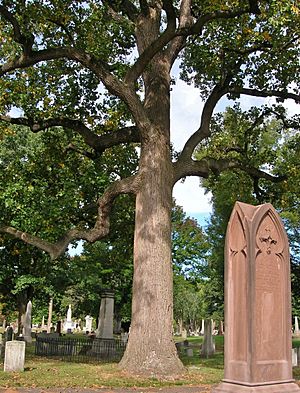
x=264 y=138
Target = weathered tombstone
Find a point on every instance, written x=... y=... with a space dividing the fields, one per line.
x=257 y=304
x=208 y=346
x=50 y=310
x=14 y=356
x=202 y=327
x=68 y=325
x=27 y=323
x=88 y=323
x=296 y=330
x=294 y=357
x=9 y=333
x=106 y=315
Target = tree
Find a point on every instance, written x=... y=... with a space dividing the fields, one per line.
x=102 y=70
x=271 y=143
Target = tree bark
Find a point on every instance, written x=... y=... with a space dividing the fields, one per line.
x=150 y=349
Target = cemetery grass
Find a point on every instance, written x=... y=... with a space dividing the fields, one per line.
x=43 y=372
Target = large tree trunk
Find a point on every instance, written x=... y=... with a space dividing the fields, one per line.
x=150 y=349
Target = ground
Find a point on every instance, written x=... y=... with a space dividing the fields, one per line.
x=173 y=389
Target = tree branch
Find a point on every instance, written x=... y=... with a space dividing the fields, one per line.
x=203 y=131
x=100 y=69
x=151 y=50
x=98 y=142
x=25 y=40
x=125 y=6
x=100 y=229
x=265 y=93
x=185 y=21
x=206 y=166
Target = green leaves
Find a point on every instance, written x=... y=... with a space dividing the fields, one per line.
x=260 y=52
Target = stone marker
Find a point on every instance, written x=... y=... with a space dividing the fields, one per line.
x=208 y=346
x=202 y=328
x=106 y=315
x=257 y=304
x=88 y=323
x=14 y=356
x=296 y=331
x=27 y=323
x=294 y=357
x=50 y=310
x=69 y=325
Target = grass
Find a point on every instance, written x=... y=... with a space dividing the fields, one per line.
x=53 y=373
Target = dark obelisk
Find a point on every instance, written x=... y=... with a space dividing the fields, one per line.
x=257 y=304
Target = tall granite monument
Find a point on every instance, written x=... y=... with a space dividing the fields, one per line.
x=257 y=304
x=106 y=315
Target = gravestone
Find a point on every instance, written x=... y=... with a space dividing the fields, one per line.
x=9 y=332
x=202 y=328
x=106 y=315
x=27 y=323
x=14 y=356
x=69 y=325
x=208 y=346
x=296 y=331
x=88 y=323
x=50 y=310
x=257 y=304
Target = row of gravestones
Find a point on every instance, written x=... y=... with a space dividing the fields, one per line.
x=105 y=325
x=14 y=350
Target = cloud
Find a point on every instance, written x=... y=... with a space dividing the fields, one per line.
x=186 y=108
x=190 y=196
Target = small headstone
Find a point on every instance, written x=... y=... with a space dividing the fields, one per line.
x=202 y=328
x=294 y=357
x=189 y=352
x=14 y=356
x=88 y=323
x=9 y=333
x=296 y=330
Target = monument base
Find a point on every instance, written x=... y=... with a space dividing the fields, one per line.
x=285 y=387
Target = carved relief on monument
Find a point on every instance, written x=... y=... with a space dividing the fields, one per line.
x=269 y=290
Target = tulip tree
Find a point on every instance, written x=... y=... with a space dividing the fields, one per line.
x=102 y=70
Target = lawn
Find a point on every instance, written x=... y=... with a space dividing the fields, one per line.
x=52 y=373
